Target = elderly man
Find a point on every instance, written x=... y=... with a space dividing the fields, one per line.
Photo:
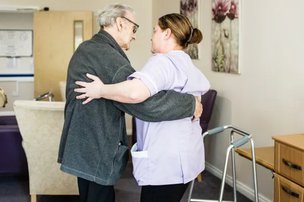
x=93 y=145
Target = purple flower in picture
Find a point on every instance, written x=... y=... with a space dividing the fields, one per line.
x=187 y=7
x=232 y=13
x=219 y=10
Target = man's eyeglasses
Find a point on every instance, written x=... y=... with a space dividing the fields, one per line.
x=135 y=27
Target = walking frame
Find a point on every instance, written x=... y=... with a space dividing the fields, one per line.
x=234 y=143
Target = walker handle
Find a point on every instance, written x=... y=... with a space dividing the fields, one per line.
x=216 y=130
x=241 y=141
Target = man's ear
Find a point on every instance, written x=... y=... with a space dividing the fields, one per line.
x=118 y=22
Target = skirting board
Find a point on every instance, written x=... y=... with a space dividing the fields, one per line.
x=242 y=188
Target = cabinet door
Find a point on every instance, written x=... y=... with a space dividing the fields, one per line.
x=56 y=35
x=287 y=191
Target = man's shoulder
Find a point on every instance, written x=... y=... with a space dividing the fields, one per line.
x=98 y=47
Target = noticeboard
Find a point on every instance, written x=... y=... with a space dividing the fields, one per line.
x=16 y=43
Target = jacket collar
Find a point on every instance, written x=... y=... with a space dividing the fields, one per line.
x=105 y=37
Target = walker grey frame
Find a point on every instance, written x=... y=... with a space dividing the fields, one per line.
x=246 y=137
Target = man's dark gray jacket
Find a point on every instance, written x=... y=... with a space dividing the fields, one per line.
x=94 y=143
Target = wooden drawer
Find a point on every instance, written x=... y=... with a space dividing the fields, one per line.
x=287 y=191
x=289 y=162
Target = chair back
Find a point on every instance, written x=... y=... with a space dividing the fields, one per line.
x=208 y=100
x=40 y=125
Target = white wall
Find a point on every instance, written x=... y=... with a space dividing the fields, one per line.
x=267 y=98
x=138 y=54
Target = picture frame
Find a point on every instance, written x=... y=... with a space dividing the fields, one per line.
x=225 y=36
x=190 y=8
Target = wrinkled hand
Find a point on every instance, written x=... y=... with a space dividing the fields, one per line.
x=89 y=90
x=198 y=109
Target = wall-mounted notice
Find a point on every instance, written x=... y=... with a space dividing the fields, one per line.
x=16 y=43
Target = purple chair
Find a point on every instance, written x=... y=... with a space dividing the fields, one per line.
x=12 y=156
x=208 y=100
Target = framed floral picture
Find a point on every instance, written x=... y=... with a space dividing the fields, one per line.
x=189 y=8
x=225 y=36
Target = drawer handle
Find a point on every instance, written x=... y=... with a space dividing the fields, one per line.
x=291 y=193
x=291 y=165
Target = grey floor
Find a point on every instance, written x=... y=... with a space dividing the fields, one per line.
x=15 y=189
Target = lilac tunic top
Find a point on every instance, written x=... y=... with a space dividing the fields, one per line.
x=169 y=152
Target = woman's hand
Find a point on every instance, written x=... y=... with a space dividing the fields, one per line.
x=89 y=90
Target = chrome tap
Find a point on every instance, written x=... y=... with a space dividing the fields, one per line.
x=48 y=95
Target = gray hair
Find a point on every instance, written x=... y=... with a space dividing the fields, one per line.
x=109 y=14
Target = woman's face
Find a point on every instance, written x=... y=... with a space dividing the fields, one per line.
x=157 y=39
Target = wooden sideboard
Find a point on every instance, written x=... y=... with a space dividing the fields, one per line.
x=264 y=156
x=286 y=161
x=289 y=168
